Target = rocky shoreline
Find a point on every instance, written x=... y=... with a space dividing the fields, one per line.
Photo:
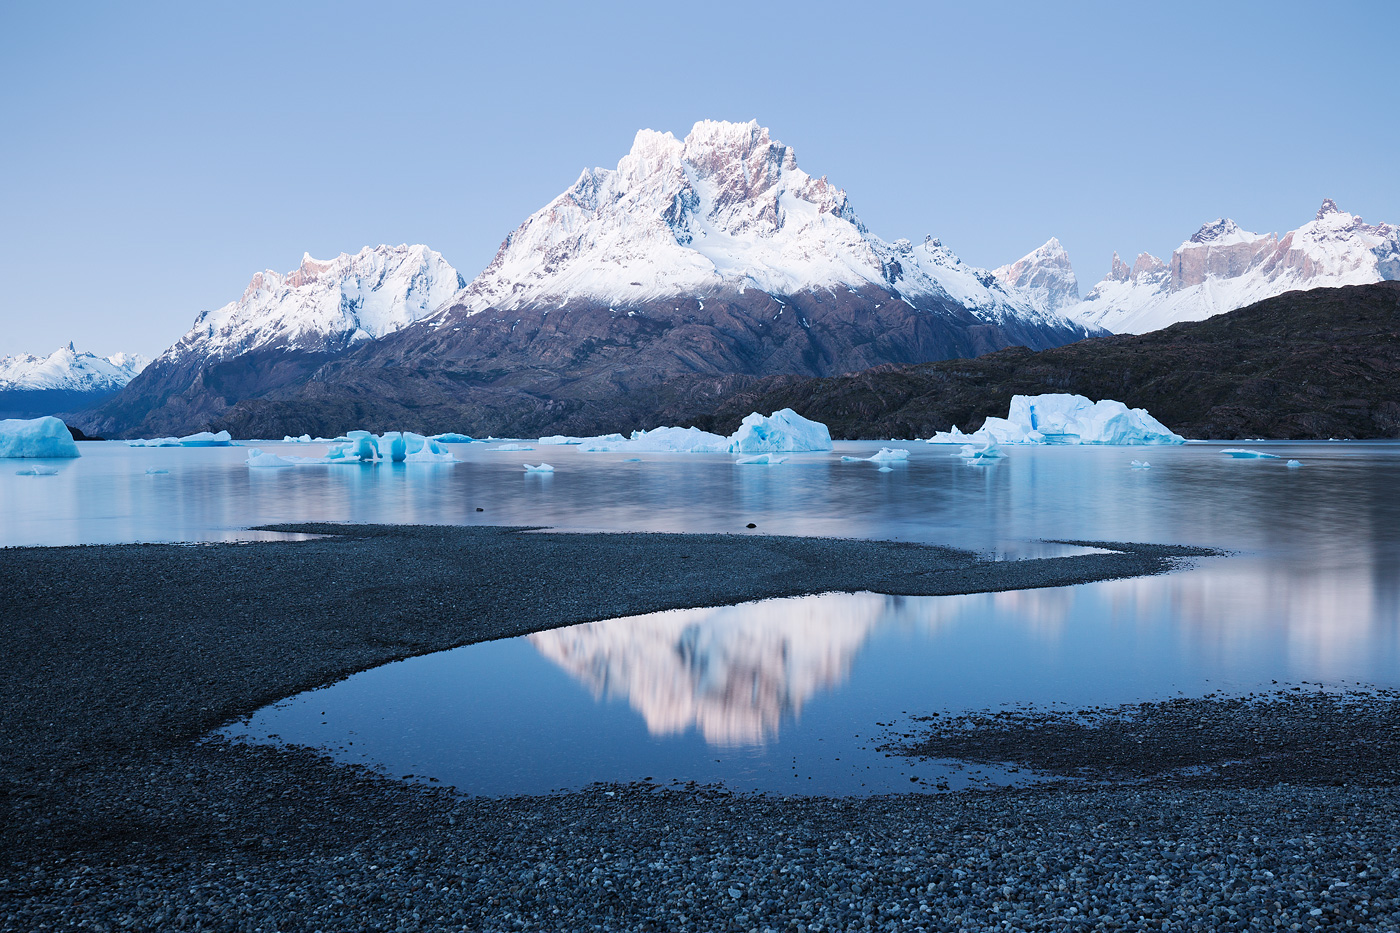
x=118 y=817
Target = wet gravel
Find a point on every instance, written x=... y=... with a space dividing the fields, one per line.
x=118 y=818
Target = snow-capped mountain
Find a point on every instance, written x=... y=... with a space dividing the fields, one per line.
x=711 y=256
x=68 y=370
x=1043 y=277
x=724 y=210
x=1223 y=267
x=325 y=305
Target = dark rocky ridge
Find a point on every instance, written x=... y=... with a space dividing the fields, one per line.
x=1313 y=364
x=583 y=368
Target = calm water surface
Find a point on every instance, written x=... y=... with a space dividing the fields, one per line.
x=796 y=695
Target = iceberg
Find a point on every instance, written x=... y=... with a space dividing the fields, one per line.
x=1059 y=418
x=1238 y=453
x=407 y=447
x=1293 y=464
x=452 y=438
x=658 y=440
x=261 y=459
x=359 y=446
x=761 y=460
x=512 y=447
x=973 y=453
x=304 y=439
x=36 y=437
x=155 y=442
x=207 y=439
x=784 y=430
x=890 y=455
x=541 y=468
x=1140 y=465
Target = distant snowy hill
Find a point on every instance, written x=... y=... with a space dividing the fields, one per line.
x=1223 y=267
x=711 y=256
x=1044 y=278
x=65 y=379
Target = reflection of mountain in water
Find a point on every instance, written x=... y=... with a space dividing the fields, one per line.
x=732 y=672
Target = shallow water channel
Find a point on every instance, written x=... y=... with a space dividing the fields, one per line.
x=798 y=695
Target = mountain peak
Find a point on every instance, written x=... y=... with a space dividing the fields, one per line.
x=1217 y=229
x=1044 y=276
x=1329 y=206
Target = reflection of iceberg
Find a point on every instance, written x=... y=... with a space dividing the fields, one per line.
x=733 y=673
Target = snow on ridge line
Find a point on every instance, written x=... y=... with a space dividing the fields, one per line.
x=36 y=438
x=68 y=368
x=1060 y=418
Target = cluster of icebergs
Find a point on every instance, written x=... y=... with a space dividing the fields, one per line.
x=784 y=431
x=202 y=439
x=1058 y=418
x=364 y=447
x=36 y=438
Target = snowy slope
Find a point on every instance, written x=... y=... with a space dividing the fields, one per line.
x=1222 y=268
x=68 y=370
x=1043 y=277
x=324 y=305
x=725 y=209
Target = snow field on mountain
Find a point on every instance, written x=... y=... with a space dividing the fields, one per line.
x=70 y=370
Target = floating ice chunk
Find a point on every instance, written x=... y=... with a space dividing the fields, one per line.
x=985 y=454
x=452 y=437
x=1140 y=465
x=658 y=440
x=1240 y=453
x=36 y=437
x=358 y=447
x=557 y=440
x=890 y=455
x=261 y=459
x=38 y=471
x=207 y=439
x=541 y=468
x=633 y=460
x=1058 y=418
x=513 y=447
x=1293 y=464
x=430 y=452
x=155 y=442
x=157 y=471
x=845 y=459
x=885 y=469
x=304 y=439
x=761 y=460
x=783 y=430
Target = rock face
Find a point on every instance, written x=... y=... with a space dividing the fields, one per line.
x=1221 y=268
x=712 y=257
x=1307 y=364
x=31 y=386
x=1044 y=277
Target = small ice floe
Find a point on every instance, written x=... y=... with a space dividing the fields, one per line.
x=761 y=460
x=845 y=459
x=1140 y=465
x=452 y=437
x=890 y=455
x=157 y=471
x=632 y=460
x=977 y=456
x=304 y=439
x=541 y=468
x=207 y=439
x=1239 y=453
x=36 y=437
x=512 y=447
x=155 y=442
x=38 y=471
x=260 y=459
x=885 y=469
x=1293 y=464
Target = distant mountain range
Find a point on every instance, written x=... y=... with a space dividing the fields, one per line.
x=712 y=257
x=690 y=271
x=1220 y=268
x=65 y=379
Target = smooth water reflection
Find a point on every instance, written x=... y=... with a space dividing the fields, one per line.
x=796 y=695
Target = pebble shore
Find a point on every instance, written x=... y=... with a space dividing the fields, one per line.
x=117 y=816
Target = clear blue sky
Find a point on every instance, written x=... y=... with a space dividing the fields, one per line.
x=156 y=155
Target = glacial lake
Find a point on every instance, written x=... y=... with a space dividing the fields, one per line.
x=796 y=696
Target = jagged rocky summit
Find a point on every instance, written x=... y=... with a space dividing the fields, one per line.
x=31 y=386
x=1222 y=268
x=695 y=263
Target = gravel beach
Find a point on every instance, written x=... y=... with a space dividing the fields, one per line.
x=119 y=658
